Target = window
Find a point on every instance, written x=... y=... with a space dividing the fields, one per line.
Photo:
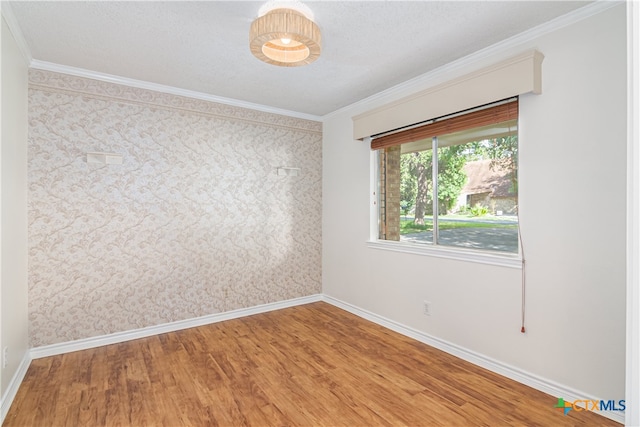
x=452 y=181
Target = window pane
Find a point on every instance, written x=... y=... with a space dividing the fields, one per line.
x=478 y=194
x=416 y=192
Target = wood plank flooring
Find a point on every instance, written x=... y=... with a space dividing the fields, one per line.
x=310 y=365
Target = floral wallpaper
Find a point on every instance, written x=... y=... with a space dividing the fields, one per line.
x=195 y=220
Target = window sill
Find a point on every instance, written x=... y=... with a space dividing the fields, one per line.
x=481 y=257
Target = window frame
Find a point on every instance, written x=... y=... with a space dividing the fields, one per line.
x=481 y=256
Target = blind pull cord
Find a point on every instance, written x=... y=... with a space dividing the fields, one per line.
x=522 y=329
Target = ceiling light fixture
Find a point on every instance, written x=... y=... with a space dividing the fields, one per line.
x=285 y=37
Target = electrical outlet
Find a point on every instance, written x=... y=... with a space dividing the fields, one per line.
x=5 y=357
x=427 y=308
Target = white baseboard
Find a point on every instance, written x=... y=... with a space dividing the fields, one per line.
x=118 y=337
x=493 y=365
x=542 y=384
x=83 y=344
x=13 y=387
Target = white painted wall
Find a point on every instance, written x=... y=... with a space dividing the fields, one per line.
x=573 y=145
x=632 y=415
x=13 y=203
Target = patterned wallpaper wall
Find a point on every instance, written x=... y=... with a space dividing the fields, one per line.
x=194 y=221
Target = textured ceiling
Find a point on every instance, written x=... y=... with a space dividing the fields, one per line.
x=203 y=46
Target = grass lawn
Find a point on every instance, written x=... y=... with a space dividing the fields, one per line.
x=407 y=226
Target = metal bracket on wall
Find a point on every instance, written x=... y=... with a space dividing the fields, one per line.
x=105 y=158
x=288 y=171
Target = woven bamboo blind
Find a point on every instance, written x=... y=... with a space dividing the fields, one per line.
x=488 y=116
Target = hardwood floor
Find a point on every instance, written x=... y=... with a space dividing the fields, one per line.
x=311 y=365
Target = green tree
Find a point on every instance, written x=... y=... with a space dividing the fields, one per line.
x=451 y=176
x=416 y=184
x=408 y=184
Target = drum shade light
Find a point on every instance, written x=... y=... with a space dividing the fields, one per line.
x=285 y=37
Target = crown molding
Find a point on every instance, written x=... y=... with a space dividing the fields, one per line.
x=472 y=61
x=12 y=23
x=418 y=82
x=140 y=84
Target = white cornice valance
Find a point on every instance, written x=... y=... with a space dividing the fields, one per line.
x=514 y=76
